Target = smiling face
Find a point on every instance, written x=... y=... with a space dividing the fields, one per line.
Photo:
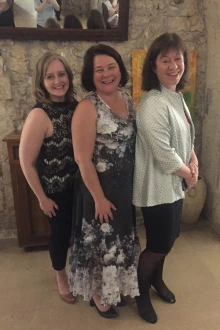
x=169 y=68
x=56 y=81
x=106 y=75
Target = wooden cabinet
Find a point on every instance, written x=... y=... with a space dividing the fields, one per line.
x=32 y=224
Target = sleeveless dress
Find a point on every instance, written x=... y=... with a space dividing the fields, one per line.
x=104 y=257
x=55 y=164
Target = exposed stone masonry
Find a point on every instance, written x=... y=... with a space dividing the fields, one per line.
x=76 y=7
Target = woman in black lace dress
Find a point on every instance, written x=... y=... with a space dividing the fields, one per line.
x=105 y=247
x=46 y=156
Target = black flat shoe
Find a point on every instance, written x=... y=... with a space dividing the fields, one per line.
x=121 y=303
x=109 y=314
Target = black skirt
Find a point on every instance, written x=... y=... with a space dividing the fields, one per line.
x=162 y=223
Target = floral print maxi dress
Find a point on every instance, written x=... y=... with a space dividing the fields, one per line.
x=104 y=256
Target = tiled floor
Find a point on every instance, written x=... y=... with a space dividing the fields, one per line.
x=29 y=300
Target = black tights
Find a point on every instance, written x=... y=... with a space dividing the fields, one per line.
x=150 y=272
x=158 y=283
x=149 y=269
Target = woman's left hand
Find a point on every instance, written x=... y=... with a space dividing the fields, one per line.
x=195 y=172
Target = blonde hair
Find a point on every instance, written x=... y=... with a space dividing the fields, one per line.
x=51 y=23
x=38 y=90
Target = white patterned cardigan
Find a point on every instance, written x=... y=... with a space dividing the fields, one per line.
x=164 y=142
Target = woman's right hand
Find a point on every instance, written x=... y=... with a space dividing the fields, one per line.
x=48 y=206
x=103 y=210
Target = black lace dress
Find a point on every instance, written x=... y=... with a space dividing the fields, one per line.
x=104 y=256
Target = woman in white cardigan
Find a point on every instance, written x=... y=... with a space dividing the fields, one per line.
x=165 y=162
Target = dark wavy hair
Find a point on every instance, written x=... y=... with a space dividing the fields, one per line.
x=38 y=90
x=95 y=20
x=72 y=22
x=161 y=45
x=88 y=65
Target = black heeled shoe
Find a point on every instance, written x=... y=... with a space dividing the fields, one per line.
x=121 y=303
x=109 y=314
x=145 y=308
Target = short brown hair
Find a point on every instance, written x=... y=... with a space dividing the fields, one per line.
x=38 y=90
x=161 y=45
x=88 y=65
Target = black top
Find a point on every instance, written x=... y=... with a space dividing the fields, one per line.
x=7 y=16
x=55 y=163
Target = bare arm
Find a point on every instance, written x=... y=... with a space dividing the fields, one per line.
x=43 y=4
x=184 y=172
x=40 y=8
x=34 y=131
x=55 y=5
x=84 y=135
x=194 y=159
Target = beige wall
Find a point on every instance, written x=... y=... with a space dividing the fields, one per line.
x=211 y=125
x=148 y=19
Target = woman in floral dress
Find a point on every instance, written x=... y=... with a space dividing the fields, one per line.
x=105 y=247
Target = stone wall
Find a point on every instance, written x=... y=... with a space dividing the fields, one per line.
x=77 y=7
x=148 y=19
x=211 y=125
